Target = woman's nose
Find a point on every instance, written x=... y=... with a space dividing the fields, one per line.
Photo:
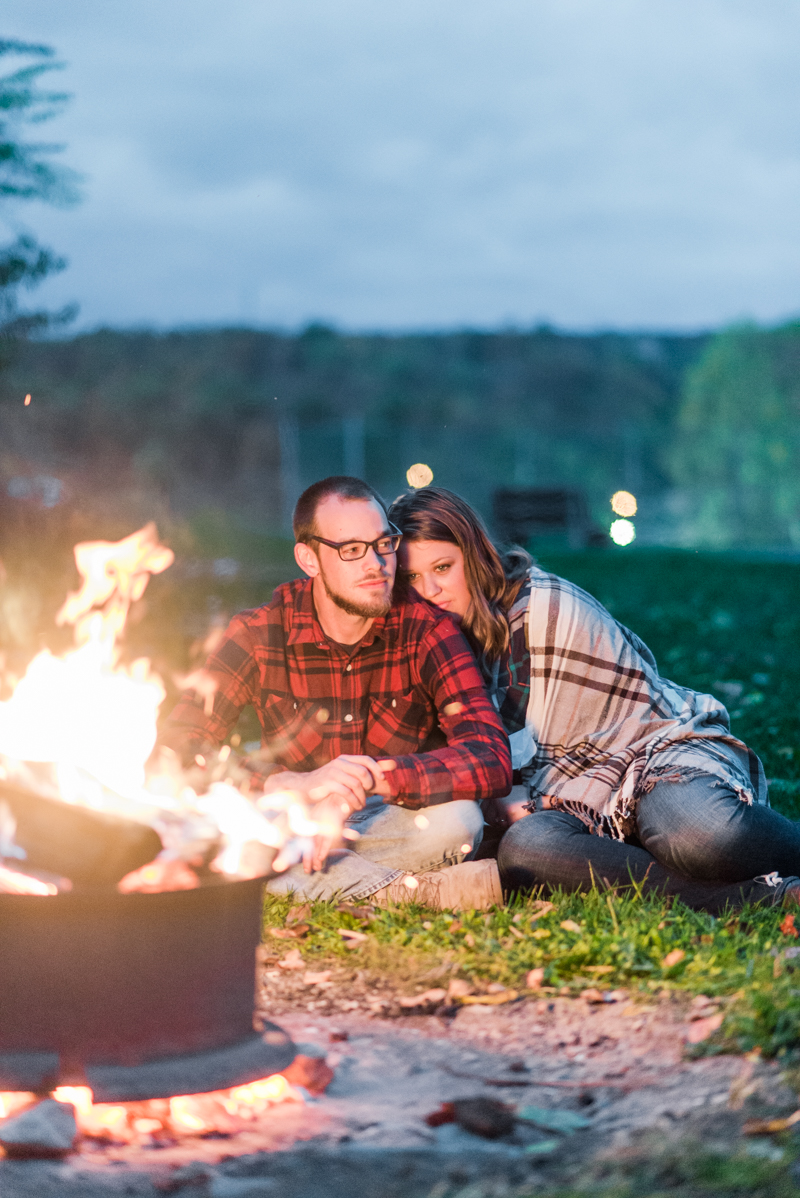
x=431 y=586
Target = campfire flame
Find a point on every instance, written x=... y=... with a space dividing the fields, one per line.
x=92 y=720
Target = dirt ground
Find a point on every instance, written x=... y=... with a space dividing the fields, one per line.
x=620 y=1066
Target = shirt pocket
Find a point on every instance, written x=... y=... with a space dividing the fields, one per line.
x=398 y=724
x=294 y=730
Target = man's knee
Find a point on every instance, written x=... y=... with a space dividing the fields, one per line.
x=455 y=827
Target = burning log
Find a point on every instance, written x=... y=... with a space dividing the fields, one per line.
x=91 y=848
x=48 y=1129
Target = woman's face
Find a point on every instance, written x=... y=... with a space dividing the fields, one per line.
x=436 y=570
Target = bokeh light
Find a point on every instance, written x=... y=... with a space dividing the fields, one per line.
x=623 y=503
x=622 y=532
x=419 y=475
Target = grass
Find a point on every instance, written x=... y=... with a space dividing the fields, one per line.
x=715 y=623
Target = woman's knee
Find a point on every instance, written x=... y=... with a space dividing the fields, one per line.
x=527 y=851
x=699 y=828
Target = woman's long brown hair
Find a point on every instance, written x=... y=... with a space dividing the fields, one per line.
x=494 y=577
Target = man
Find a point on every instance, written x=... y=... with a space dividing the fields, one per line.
x=371 y=706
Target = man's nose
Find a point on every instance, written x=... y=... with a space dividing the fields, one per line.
x=374 y=558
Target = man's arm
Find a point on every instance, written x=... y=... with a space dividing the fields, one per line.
x=476 y=764
x=230 y=672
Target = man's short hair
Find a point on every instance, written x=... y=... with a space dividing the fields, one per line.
x=304 y=520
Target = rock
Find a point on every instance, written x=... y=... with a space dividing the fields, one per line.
x=310 y=1072
x=484 y=1117
x=48 y=1129
x=422 y=1003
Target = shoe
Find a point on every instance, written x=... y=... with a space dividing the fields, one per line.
x=471 y=886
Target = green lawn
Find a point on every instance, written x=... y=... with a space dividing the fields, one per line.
x=710 y=620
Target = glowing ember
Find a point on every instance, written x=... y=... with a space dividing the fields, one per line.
x=11 y=1102
x=188 y=1114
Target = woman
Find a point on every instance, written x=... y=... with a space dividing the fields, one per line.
x=605 y=745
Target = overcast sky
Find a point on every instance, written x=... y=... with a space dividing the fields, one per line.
x=425 y=163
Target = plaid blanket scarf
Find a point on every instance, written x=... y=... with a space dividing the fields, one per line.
x=594 y=723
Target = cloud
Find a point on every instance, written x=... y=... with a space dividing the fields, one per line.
x=633 y=163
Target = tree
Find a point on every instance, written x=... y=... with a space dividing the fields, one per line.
x=28 y=173
x=736 y=455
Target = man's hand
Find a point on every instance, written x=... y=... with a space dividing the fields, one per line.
x=347 y=778
x=330 y=816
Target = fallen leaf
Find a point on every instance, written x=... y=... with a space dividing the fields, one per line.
x=673 y=958
x=542 y=907
x=569 y=925
x=296 y=933
x=787 y=926
x=356 y=912
x=426 y=999
x=339 y=1037
x=445 y=1114
x=298 y=914
x=319 y=977
x=349 y=934
x=534 y=978
x=592 y=995
x=701 y=1029
x=553 y=1119
x=703 y=1012
x=490 y=1000
x=599 y=968
x=458 y=988
x=540 y=933
x=615 y=995
x=292 y=960
x=762 y=1127
x=311 y=1072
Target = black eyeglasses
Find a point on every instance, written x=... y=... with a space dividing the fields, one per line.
x=353 y=551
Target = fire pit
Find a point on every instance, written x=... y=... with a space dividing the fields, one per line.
x=129 y=913
x=134 y=995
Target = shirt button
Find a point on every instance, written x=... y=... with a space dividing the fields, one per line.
x=394 y=702
x=348 y=719
x=349 y=667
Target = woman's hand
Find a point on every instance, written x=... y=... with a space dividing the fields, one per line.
x=506 y=811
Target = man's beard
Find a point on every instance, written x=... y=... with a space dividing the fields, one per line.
x=368 y=610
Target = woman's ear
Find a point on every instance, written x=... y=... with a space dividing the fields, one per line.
x=306 y=559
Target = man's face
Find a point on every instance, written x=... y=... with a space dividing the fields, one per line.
x=363 y=587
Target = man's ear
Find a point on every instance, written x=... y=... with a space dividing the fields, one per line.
x=306 y=559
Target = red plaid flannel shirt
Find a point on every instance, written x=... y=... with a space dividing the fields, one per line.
x=412 y=682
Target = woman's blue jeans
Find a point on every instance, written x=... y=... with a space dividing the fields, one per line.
x=695 y=839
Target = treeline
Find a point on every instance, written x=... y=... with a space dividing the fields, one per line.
x=242 y=420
